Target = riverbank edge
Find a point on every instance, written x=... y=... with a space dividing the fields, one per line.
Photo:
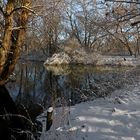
x=95 y=60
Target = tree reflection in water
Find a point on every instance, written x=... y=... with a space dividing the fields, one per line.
x=63 y=85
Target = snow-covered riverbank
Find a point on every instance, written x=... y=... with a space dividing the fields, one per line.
x=113 y=118
x=82 y=57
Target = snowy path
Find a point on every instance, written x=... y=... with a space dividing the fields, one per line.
x=114 y=118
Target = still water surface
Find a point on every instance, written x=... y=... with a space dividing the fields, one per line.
x=64 y=85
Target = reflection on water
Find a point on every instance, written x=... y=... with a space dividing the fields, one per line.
x=63 y=85
x=59 y=70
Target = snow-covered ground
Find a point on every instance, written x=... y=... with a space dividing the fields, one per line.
x=114 y=118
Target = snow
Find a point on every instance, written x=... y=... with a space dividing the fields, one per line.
x=80 y=56
x=58 y=59
x=113 y=118
x=50 y=109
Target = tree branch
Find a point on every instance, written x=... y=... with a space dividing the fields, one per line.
x=22 y=7
x=2 y=11
x=18 y=28
x=123 y=1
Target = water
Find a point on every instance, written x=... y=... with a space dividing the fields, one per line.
x=64 y=85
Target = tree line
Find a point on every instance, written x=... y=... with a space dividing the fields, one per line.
x=97 y=25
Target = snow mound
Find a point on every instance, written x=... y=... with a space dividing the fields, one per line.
x=58 y=59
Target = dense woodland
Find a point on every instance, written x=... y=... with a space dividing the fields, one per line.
x=40 y=28
x=96 y=25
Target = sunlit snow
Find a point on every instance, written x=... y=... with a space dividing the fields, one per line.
x=113 y=118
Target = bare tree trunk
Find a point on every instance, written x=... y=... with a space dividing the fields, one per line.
x=4 y=50
x=9 y=53
x=13 y=39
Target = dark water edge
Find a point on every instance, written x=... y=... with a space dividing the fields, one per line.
x=67 y=85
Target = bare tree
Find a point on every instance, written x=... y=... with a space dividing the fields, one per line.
x=125 y=17
x=14 y=30
x=14 y=15
x=45 y=29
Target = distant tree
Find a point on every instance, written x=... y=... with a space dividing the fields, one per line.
x=44 y=31
x=124 y=14
x=83 y=22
